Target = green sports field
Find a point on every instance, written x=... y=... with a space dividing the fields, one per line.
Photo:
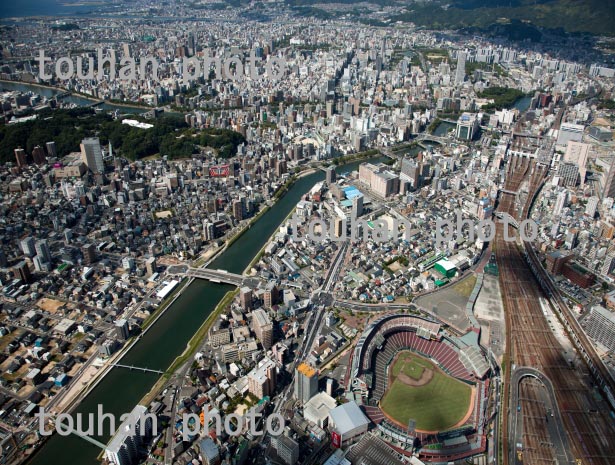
x=436 y=406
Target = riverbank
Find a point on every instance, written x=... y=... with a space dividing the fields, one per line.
x=58 y=89
x=193 y=344
x=117 y=357
x=198 y=339
x=73 y=93
x=99 y=377
x=120 y=390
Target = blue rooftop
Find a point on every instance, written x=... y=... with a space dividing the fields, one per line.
x=352 y=192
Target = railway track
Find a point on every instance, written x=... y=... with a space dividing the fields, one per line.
x=531 y=343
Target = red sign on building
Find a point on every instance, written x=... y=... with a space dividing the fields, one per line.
x=219 y=171
x=336 y=440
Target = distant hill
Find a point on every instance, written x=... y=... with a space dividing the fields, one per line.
x=591 y=16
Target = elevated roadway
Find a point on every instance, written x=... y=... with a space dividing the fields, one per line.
x=555 y=426
x=215 y=276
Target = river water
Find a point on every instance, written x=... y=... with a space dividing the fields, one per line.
x=121 y=389
x=49 y=93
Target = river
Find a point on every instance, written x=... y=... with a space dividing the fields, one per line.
x=122 y=389
x=50 y=92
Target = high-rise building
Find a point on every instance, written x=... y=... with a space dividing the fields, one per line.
x=209 y=231
x=329 y=105
x=410 y=172
x=262 y=327
x=21 y=158
x=556 y=260
x=238 y=209
x=609 y=185
x=126 y=445
x=590 y=208
x=569 y=172
x=262 y=379
x=245 y=298
x=578 y=153
x=151 y=266
x=467 y=126
x=191 y=43
x=28 y=246
x=600 y=326
x=270 y=296
x=331 y=175
x=460 y=73
x=608 y=265
x=89 y=254
x=306 y=382
x=383 y=182
x=38 y=155
x=280 y=168
x=21 y=271
x=209 y=451
x=560 y=203
x=286 y=448
x=122 y=329
x=339 y=227
x=51 y=149
x=91 y=154
x=42 y=251
x=357 y=206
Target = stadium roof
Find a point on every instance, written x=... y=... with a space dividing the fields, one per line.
x=347 y=417
x=371 y=450
x=473 y=360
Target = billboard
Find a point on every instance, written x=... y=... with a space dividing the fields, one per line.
x=336 y=440
x=219 y=171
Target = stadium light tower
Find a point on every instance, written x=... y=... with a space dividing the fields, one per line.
x=411 y=426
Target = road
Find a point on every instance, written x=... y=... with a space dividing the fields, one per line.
x=216 y=276
x=555 y=426
x=320 y=299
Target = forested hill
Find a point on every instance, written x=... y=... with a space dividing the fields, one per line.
x=591 y=16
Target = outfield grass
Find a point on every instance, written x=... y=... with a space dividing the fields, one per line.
x=436 y=406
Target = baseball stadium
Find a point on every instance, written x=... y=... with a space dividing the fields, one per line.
x=425 y=388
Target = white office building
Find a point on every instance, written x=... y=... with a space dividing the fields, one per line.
x=600 y=326
x=127 y=445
